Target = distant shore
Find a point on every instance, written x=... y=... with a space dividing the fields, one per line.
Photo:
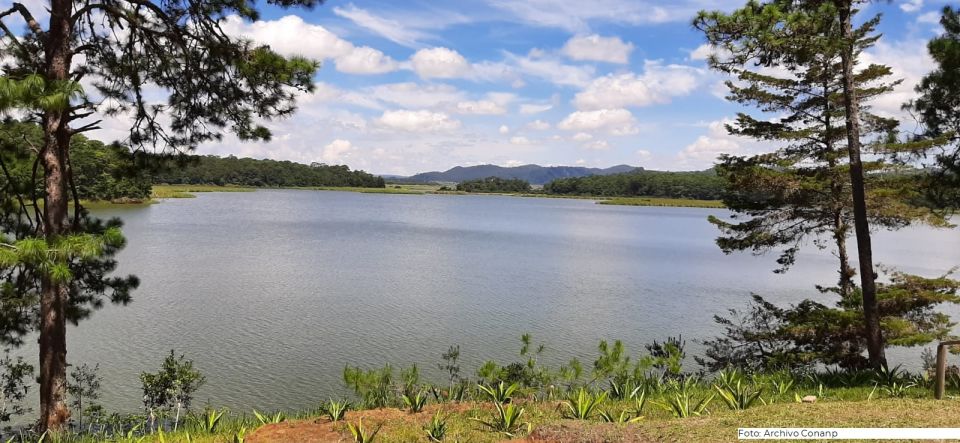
x=163 y=192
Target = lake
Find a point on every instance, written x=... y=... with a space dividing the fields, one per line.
x=273 y=292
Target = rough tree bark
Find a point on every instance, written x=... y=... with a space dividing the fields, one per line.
x=54 y=412
x=871 y=313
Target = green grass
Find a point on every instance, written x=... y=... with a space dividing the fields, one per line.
x=656 y=201
x=186 y=191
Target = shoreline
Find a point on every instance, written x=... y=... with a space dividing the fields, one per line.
x=163 y=192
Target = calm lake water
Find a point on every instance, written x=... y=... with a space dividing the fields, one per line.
x=273 y=292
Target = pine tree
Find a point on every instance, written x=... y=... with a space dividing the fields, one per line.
x=795 y=60
x=130 y=50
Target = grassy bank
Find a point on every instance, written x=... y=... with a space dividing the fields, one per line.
x=850 y=407
x=186 y=191
x=655 y=201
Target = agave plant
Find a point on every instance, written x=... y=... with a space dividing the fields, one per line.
x=415 y=402
x=728 y=378
x=506 y=421
x=360 y=434
x=897 y=389
x=239 y=437
x=583 y=405
x=436 y=429
x=886 y=376
x=499 y=393
x=624 y=417
x=265 y=419
x=335 y=410
x=782 y=385
x=738 y=396
x=624 y=390
x=682 y=405
x=209 y=422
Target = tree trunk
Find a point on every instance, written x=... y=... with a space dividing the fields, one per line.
x=54 y=295
x=871 y=312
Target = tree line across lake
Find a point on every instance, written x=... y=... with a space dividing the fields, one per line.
x=111 y=172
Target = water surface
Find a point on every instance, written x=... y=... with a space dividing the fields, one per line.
x=273 y=292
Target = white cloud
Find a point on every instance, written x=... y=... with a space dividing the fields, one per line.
x=520 y=140
x=643 y=153
x=582 y=137
x=538 y=125
x=481 y=107
x=597 y=48
x=439 y=62
x=504 y=129
x=365 y=60
x=335 y=152
x=703 y=152
x=536 y=64
x=418 y=121
x=658 y=84
x=613 y=121
x=413 y=95
x=528 y=108
x=390 y=29
x=599 y=145
x=929 y=18
x=910 y=61
x=911 y=5
x=287 y=35
x=576 y=16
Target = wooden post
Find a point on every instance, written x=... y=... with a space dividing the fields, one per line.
x=942 y=367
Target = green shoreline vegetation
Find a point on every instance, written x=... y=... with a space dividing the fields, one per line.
x=614 y=398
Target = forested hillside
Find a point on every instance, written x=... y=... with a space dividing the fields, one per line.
x=535 y=174
x=101 y=172
x=213 y=170
x=494 y=184
x=700 y=185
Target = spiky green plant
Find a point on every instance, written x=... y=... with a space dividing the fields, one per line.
x=728 y=378
x=625 y=416
x=897 y=389
x=506 y=421
x=583 y=405
x=239 y=437
x=266 y=419
x=887 y=377
x=499 y=393
x=360 y=434
x=209 y=422
x=415 y=402
x=335 y=410
x=782 y=385
x=738 y=396
x=683 y=405
x=436 y=429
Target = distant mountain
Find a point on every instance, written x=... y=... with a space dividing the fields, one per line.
x=535 y=174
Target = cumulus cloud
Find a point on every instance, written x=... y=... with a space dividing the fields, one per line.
x=287 y=35
x=418 y=121
x=582 y=137
x=365 y=60
x=538 y=125
x=599 y=145
x=911 y=5
x=657 y=85
x=413 y=95
x=504 y=129
x=520 y=140
x=537 y=64
x=703 y=152
x=336 y=151
x=439 y=62
x=597 y=48
x=529 y=108
x=613 y=121
x=480 y=107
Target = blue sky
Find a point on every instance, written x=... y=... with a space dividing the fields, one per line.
x=414 y=86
